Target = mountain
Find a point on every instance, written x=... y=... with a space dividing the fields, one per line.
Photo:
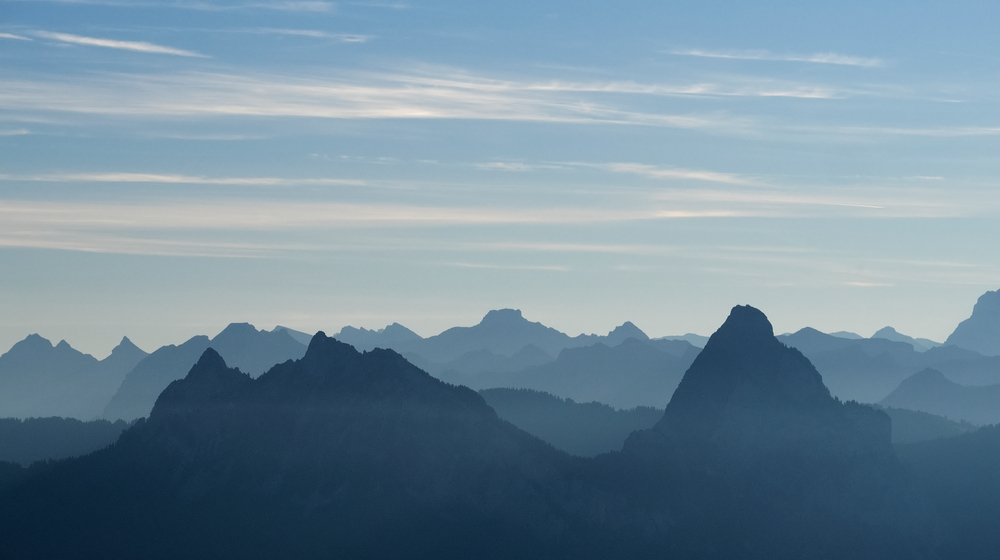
x=959 y=474
x=633 y=373
x=298 y=336
x=981 y=331
x=503 y=332
x=251 y=350
x=484 y=361
x=930 y=391
x=911 y=426
x=583 y=429
x=867 y=370
x=42 y=439
x=846 y=334
x=753 y=437
x=696 y=340
x=338 y=454
x=38 y=379
x=918 y=344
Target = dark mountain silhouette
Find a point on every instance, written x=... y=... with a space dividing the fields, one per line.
x=251 y=350
x=981 y=331
x=344 y=454
x=764 y=462
x=911 y=426
x=38 y=439
x=930 y=391
x=959 y=474
x=633 y=373
x=339 y=454
x=38 y=379
x=502 y=332
x=918 y=344
x=583 y=429
x=867 y=370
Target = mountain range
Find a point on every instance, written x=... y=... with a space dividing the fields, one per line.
x=38 y=379
x=350 y=454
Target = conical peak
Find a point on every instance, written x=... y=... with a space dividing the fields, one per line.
x=210 y=360
x=745 y=326
x=324 y=351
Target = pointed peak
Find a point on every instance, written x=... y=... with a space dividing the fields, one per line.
x=627 y=330
x=885 y=332
x=745 y=325
x=63 y=345
x=210 y=360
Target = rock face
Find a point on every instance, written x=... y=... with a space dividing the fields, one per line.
x=981 y=331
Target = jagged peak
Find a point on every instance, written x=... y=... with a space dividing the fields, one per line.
x=210 y=360
x=63 y=345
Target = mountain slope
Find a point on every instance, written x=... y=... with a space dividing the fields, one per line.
x=981 y=331
x=930 y=391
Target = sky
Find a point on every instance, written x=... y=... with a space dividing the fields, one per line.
x=170 y=166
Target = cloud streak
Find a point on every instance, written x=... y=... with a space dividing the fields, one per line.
x=176 y=179
x=12 y=36
x=284 y=6
x=818 y=58
x=135 y=46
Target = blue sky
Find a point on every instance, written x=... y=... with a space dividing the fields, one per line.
x=168 y=167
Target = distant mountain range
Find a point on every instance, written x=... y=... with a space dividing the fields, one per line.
x=930 y=391
x=585 y=429
x=38 y=379
x=47 y=439
x=633 y=373
x=250 y=350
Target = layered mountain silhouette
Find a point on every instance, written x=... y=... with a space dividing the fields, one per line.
x=348 y=454
x=918 y=344
x=38 y=379
x=867 y=370
x=250 y=350
x=930 y=391
x=633 y=373
x=337 y=454
x=583 y=429
x=981 y=331
x=502 y=332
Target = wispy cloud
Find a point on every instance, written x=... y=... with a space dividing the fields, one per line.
x=818 y=58
x=136 y=46
x=15 y=132
x=176 y=179
x=12 y=36
x=345 y=96
x=659 y=172
x=343 y=37
x=286 y=6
